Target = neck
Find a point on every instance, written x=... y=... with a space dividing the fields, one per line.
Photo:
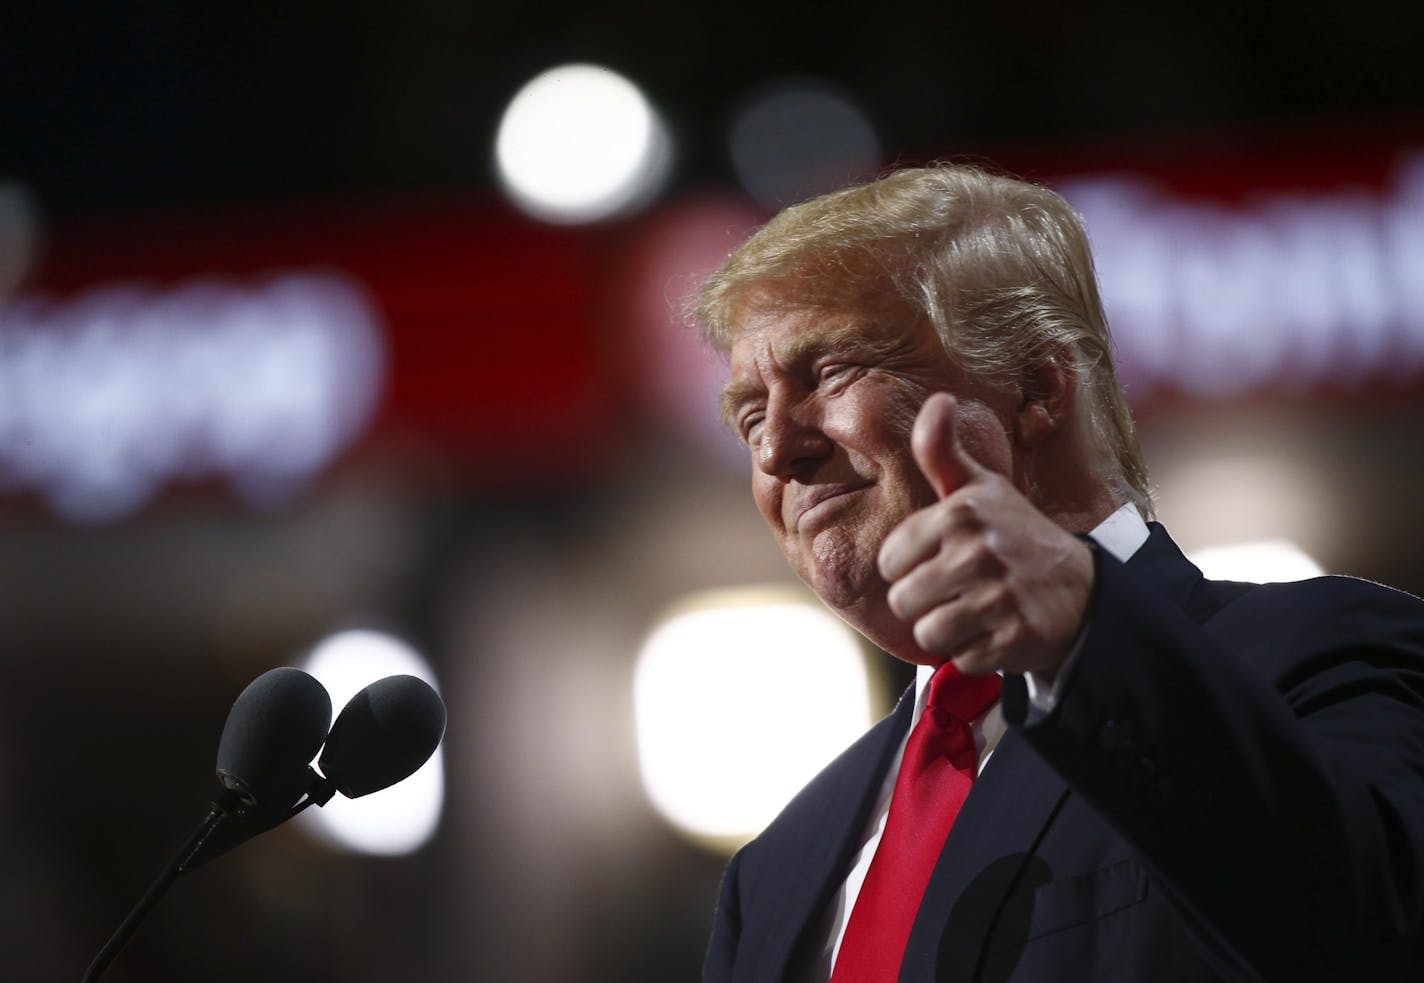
x=1082 y=515
x=1066 y=487
x=1075 y=500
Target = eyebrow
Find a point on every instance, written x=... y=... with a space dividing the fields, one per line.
x=734 y=394
x=848 y=338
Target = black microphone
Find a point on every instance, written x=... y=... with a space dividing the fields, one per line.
x=382 y=736
x=273 y=730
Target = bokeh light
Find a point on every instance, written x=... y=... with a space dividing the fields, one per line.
x=121 y=390
x=1214 y=494
x=740 y=698
x=679 y=375
x=800 y=137
x=580 y=143
x=1269 y=561
x=1293 y=289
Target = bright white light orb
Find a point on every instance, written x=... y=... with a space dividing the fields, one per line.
x=739 y=701
x=1267 y=562
x=581 y=143
x=395 y=820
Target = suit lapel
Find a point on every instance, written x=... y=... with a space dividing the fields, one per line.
x=1012 y=803
x=804 y=869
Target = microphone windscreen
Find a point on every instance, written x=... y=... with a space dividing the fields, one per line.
x=383 y=735
x=272 y=732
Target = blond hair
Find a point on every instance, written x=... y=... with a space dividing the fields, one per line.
x=1001 y=268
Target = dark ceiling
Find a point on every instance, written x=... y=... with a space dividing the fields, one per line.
x=132 y=105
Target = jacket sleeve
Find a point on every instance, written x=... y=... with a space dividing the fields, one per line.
x=1267 y=764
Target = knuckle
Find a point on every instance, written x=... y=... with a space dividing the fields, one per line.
x=994 y=482
x=964 y=512
x=1014 y=634
x=975 y=661
x=932 y=631
x=898 y=599
x=982 y=557
x=889 y=560
x=997 y=599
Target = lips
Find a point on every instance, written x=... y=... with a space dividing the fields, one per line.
x=814 y=501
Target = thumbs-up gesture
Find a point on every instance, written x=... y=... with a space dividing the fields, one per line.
x=984 y=577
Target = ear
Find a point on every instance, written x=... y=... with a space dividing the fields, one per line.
x=1049 y=389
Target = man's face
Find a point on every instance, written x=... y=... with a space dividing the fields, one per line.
x=825 y=398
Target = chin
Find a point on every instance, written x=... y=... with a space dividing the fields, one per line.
x=848 y=589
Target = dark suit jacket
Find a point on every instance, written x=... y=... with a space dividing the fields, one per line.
x=1231 y=787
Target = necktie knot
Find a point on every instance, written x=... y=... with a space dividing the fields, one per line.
x=957 y=698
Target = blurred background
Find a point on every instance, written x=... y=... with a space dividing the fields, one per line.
x=350 y=336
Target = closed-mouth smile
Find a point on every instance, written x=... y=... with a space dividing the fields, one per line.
x=818 y=495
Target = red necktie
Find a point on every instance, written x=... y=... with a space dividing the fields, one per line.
x=935 y=777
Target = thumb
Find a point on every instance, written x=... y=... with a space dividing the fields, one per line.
x=935 y=443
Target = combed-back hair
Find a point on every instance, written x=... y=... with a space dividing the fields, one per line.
x=1000 y=267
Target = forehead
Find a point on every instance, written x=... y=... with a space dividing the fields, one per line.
x=792 y=326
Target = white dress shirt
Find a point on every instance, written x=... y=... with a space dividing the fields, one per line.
x=1121 y=534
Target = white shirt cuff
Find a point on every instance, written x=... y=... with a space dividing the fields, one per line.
x=1044 y=694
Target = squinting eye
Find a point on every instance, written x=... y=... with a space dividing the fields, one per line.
x=749 y=426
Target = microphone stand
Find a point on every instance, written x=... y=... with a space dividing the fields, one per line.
x=225 y=804
x=365 y=729
x=229 y=802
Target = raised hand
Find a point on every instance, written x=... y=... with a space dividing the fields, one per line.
x=984 y=577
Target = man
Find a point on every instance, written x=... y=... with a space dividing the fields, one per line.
x=1182 y=779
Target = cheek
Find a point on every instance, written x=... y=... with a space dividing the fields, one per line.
x=984 y=436
x=875 y=419
x=766 y=492
x=901 y=406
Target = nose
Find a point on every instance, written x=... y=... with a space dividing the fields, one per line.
x=791 y=441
